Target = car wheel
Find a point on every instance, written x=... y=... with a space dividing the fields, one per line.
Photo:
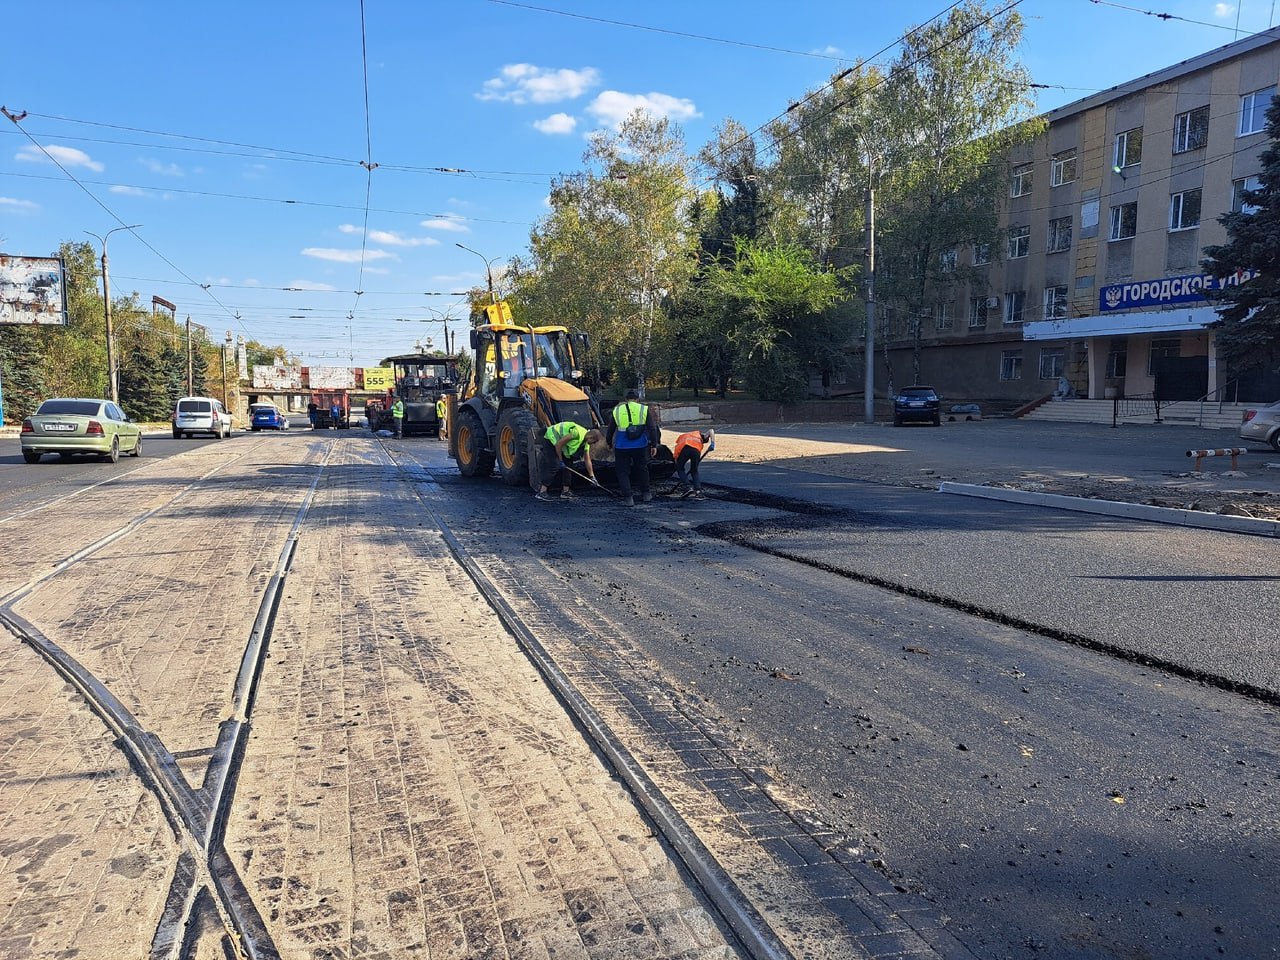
x=31 y=456
x=137 y=448
x=937 y=420
x=113 y=455
x=177 y=434
x=897 y=421
x=1275 y=441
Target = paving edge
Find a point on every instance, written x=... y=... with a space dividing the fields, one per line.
x=1114 y=508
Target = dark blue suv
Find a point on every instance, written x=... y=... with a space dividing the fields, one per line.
x=917 y=404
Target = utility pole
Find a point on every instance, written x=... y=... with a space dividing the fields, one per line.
x=225 y=347
x=190 y=372
x=869 y=398
x=113 y=375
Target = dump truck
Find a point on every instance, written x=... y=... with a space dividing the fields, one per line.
x=325 y=401
x=523 y=379
x=420 y=381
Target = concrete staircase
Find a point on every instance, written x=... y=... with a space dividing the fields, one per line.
x=1185 y=412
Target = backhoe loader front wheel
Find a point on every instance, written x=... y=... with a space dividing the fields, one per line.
x=474 y=460
x=514 y=429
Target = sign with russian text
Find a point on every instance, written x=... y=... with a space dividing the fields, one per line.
x=1167 y=290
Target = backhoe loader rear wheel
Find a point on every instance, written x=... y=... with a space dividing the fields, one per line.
x=514 y=428
x=473 y=459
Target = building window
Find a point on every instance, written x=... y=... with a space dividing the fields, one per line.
x=1124 y=221
x=1062 y=169
x=1129 y=147
x=1023 y=174
x=1055 y=303
x=1162 y=348
x=977 y=312
x=1052 y=362
x=1184 y=210
x=1015 y=302
x=981 y=254
x=1191 y=130
x=1019 y=242
x=1059 y=235
x=944 y=316
x=1238 y=188
x=1117 y=360
x=1253 y=110
x=1010 y=364
x=947 y=260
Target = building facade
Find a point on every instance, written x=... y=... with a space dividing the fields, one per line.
x=1106 y=218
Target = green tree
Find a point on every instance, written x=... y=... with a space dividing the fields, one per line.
x=776 y=293
x=22 y=360
x=615 y=250
x=956 y=101
x=1248 y=325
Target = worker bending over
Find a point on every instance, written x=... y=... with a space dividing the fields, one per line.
x=690 y=449
x=571 y=442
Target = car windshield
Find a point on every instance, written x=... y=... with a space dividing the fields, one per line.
x=69 y=408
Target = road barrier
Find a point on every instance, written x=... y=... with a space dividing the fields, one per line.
x=1232 y=452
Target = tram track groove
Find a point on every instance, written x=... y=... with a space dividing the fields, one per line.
x=749 y=926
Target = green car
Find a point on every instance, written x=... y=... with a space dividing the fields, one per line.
x=78 y=425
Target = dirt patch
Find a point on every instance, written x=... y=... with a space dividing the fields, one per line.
x=1208 y=492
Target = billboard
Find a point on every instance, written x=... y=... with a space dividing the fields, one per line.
x=277 y=377
x=330 y=378
x=32 y=290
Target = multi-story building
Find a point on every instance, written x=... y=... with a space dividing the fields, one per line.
x=1106 y=219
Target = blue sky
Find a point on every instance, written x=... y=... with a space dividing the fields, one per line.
x=234 y=133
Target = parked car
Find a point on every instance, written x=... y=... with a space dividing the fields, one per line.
x=79 y=425
x=195 y=415
x=266 y=416
x=919 y=404
x=1262 y=425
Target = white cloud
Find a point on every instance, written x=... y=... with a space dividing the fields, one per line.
x=17 y=206
x=829 y=51
x=310 y=285
x=556 y=123
x=163 y=169
x=1223 y=10
x=67 y=156
x=525 y=83
x=127 y=191
x=612 y=106
x=391 y=238
x=445 y=223
x=345 y=256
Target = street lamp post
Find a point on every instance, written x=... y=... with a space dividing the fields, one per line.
x=488 y=268
x=113 y=379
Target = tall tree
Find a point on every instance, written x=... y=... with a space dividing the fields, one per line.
x=955 y=102
x=1248 y=325
x=617 y=237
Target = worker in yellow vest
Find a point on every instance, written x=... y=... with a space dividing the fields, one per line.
x=442 y=409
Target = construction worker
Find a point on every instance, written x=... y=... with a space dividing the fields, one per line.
x=441 y=410
x=634 y=439
x=569 y=441
x=690 y=449
x=397 y=417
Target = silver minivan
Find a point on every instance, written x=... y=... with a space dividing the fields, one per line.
x=195 y=415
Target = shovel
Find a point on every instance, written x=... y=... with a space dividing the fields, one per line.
x=593 y=482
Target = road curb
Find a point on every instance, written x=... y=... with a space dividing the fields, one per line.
x=1113 y=508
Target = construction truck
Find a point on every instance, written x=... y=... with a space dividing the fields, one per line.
x=420 y=381
x=523 y=379
x=324 y=403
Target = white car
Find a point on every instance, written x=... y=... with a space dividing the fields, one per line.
x=195 y=415
x=1263 y=425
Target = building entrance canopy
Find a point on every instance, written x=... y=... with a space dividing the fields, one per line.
x=1121 y=324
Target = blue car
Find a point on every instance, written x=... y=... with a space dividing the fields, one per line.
x=266 y=416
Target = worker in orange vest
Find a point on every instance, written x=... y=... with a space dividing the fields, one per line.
x=690 y=449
